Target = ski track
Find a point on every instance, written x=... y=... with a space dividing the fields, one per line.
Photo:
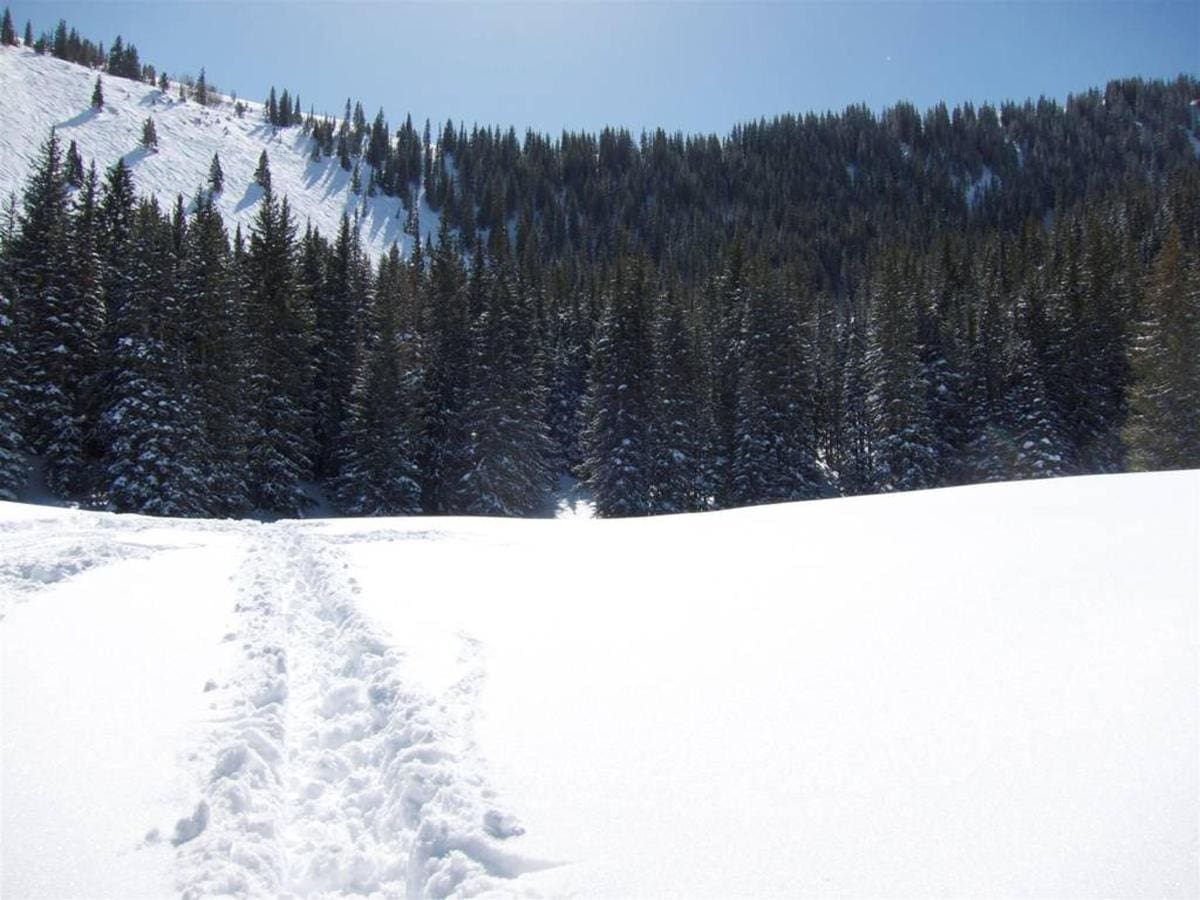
x=327 y=774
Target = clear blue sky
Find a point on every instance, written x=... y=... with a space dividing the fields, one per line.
x=695 y=67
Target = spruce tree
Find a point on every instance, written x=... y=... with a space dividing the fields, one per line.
x=8 y=34
x=216 y=176
x=28 y=38
x=1163 y=431
x=98 y=95
x=13 y=466
x=149 y=135
x=51 y=328
x=680 y=431
x=155 y=445
x=278 y=328
x=262 y=174
x=616 y=461
x=73 y=170
x=379 y=472
x=904 y=445
x=503 y=465
x=212 y=321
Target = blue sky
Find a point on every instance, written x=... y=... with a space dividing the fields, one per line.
x=695 y=67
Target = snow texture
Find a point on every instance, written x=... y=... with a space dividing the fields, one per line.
x=975 y=691
x=40 y=92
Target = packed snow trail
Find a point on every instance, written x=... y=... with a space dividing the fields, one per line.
x=329 y=774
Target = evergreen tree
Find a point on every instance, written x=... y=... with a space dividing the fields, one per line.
x=51 y=328
x=214 y=355
x=8 y=34
x=201 y=90
x=774 y=452
x=98 y=95
x=503 y=465
x=12 y=458
x=28 y=37
x=216 y=176
x=73 y=170
x=680 y=432
x=379 y=472
x=904 y=446
x=262 y=174
x=155 y=447
x=1163 y=431
x=278 y=328
x=616 y=460
x=149 y=135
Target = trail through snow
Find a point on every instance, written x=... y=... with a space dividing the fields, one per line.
x=329 y=772
x=984 y=691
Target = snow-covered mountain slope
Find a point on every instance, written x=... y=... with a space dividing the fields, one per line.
x=40 y=92
x=978 y=691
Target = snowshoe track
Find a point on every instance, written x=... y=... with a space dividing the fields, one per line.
x=328 y=774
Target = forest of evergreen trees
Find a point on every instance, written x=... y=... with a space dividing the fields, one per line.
x=812 y=306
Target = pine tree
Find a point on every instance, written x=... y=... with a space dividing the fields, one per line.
x=98 y=95
x=8 y=34
x=155 y=446
x=1163 y=431
x=262 y=174
x=379 y=473
x=503 y=465
x=28 y=38
x=12 y=459
x=216 y=176
x=212 y=322
x=73 y=170
x=680 y=432
x=903 y=441
x=616 y=461
x=52 y=331
x=279 y=329
x=201 y=90
x=774 y=452
x=149 y=135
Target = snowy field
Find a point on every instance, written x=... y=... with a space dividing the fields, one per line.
x=38 y=93
x=979 y=691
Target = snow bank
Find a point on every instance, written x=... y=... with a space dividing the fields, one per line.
x=977 y=691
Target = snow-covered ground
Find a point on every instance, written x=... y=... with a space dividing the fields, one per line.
x=979 y=691
x=38 y=93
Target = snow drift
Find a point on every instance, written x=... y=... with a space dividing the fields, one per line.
x=977 y=691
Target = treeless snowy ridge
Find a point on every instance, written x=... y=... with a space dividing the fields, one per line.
x=38 y=93
x=977 y=691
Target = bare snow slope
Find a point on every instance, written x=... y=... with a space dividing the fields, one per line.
x=979 y=691
x=40 y=92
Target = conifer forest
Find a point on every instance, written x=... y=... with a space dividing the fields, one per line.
x=810 y=306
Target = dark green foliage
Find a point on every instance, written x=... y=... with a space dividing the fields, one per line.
x=216 y=176
x=8 y=34
x=616 y=458
x=279 y=325
x=149 y=135
x=686 y=323
x=98 y=95
x=262 y=174
x=1163 y=430
x=12 y=457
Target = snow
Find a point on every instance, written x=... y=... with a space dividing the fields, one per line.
x=41 y=92
x=974 y=691
x=976 y=188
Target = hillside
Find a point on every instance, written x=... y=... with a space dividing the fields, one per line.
x=985 y=691
x=41 y=92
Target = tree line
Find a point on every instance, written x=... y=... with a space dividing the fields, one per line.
x=813 y=306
